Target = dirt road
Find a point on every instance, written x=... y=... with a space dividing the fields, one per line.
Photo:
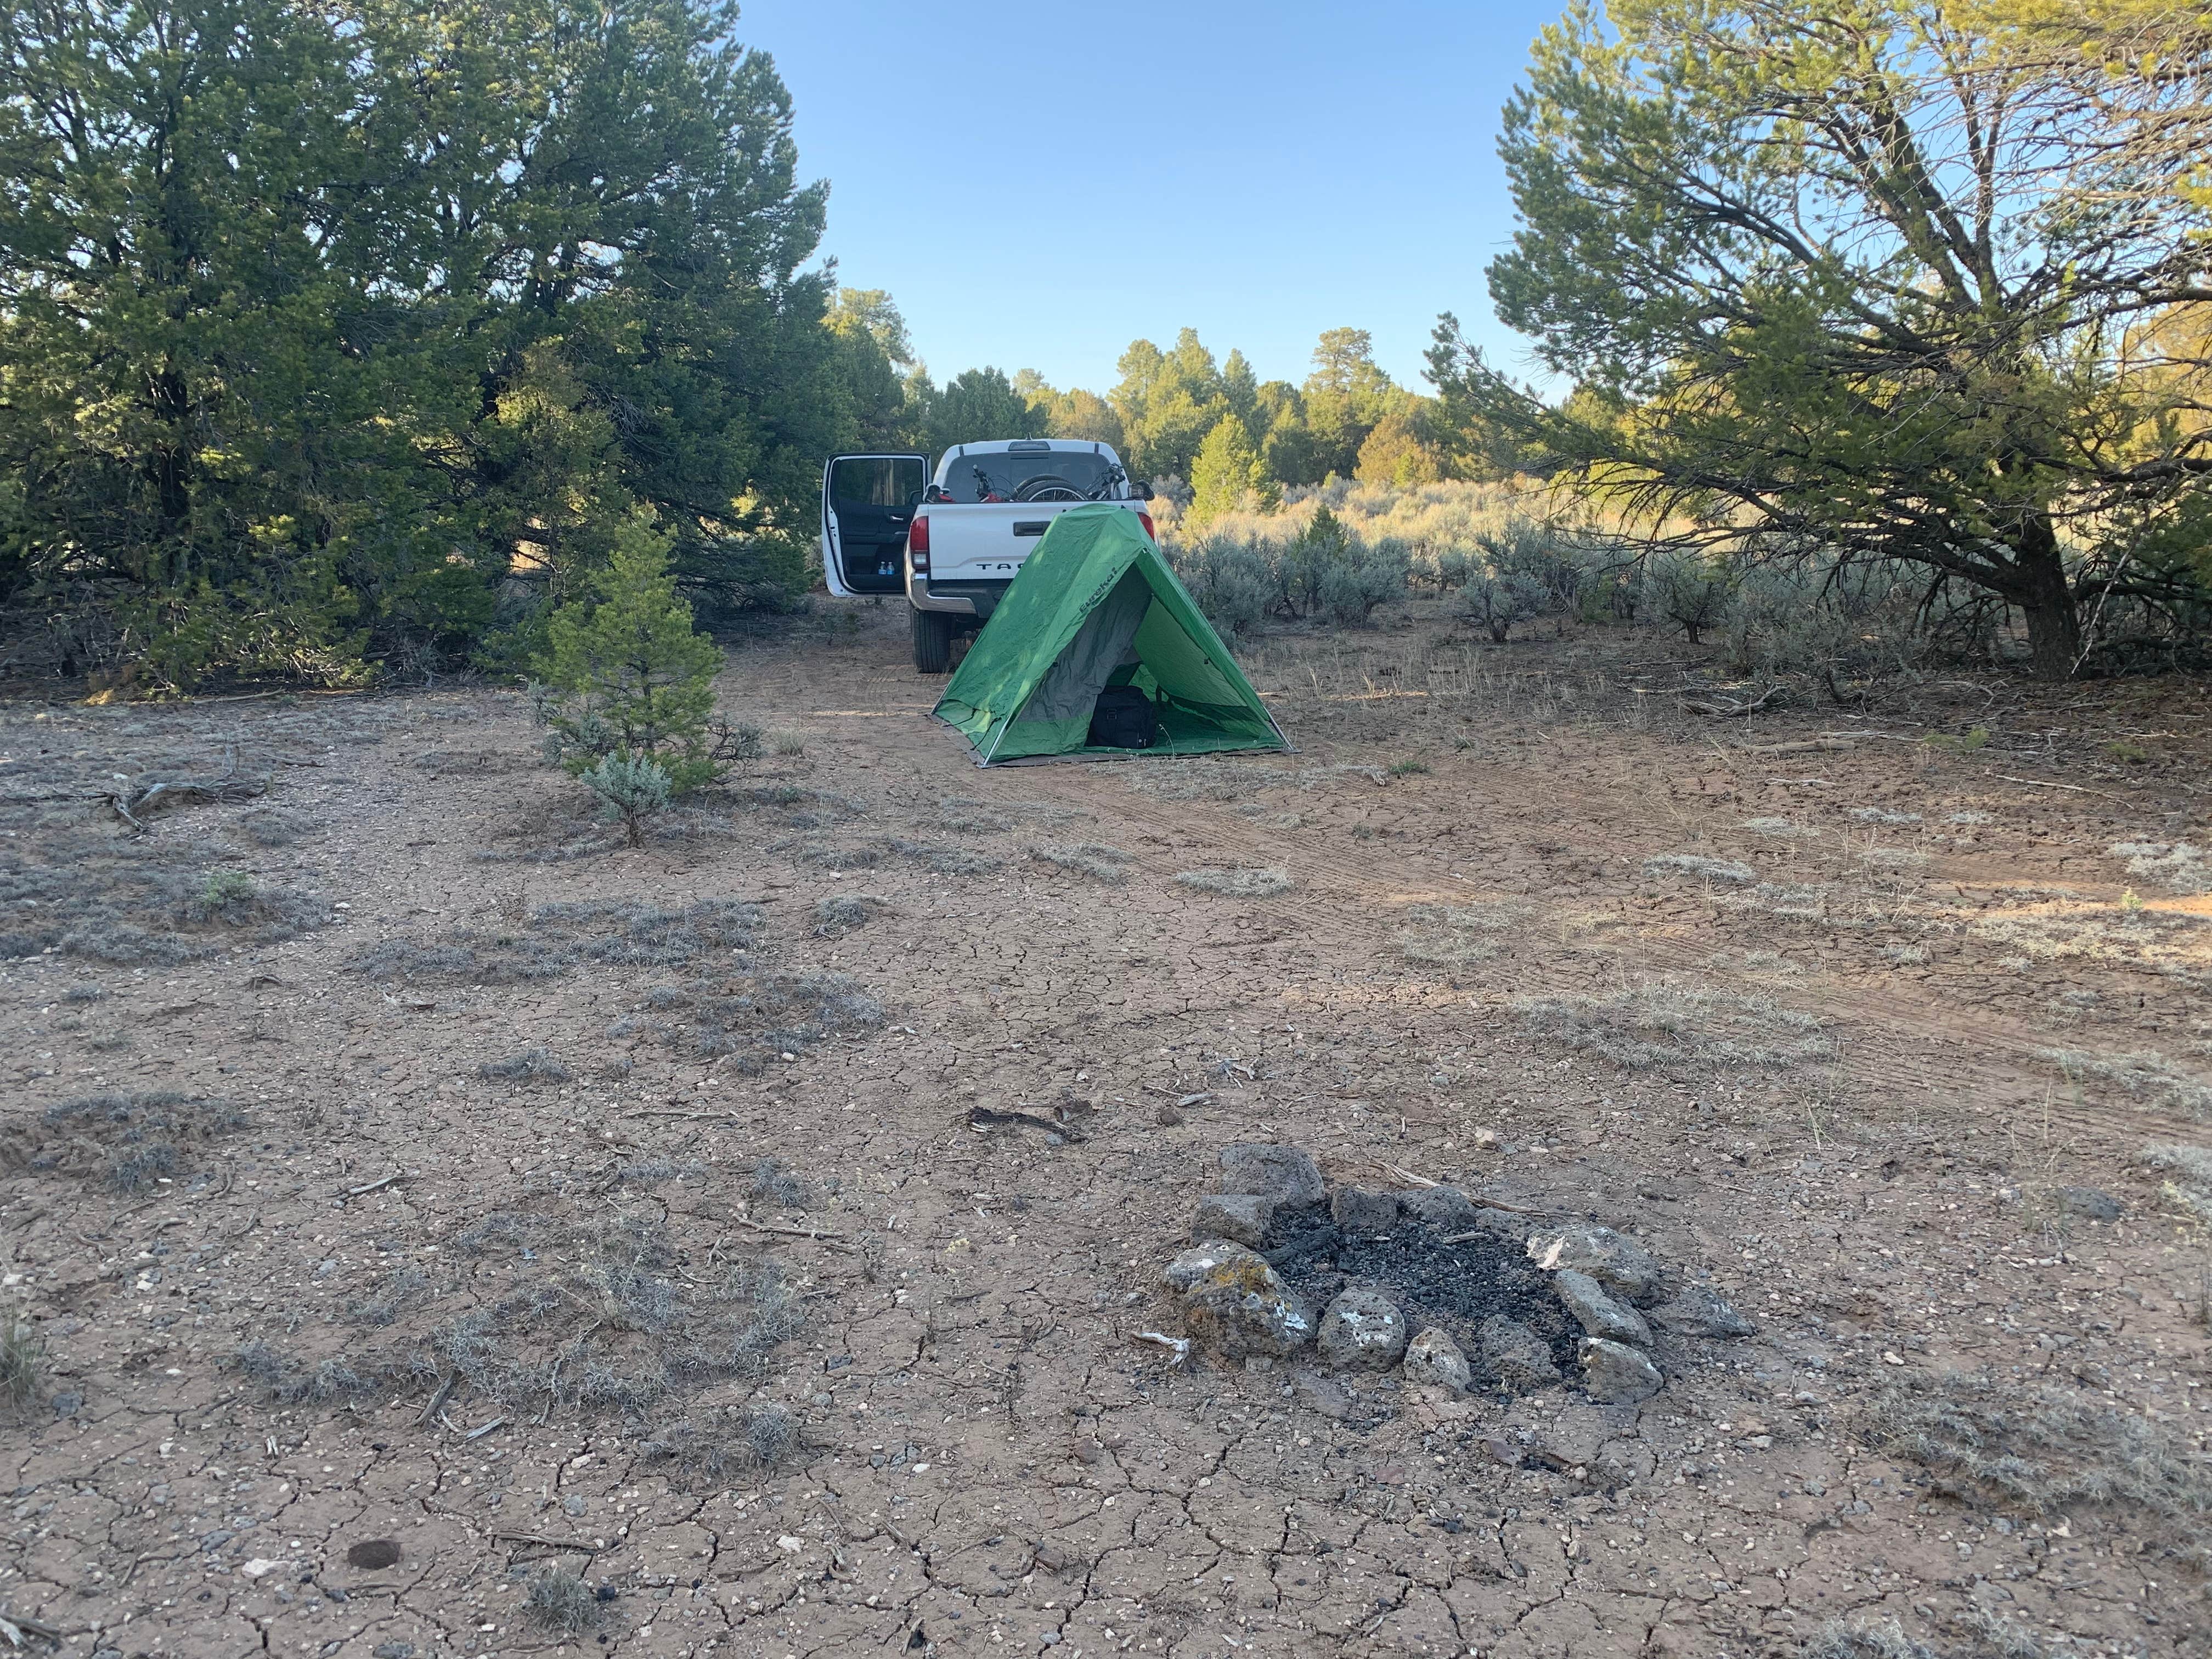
x=758 y=1229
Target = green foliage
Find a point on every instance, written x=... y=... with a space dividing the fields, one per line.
x=631 y=788
x=1496 y=599
x=323 y=321
x=1689 y=589
x=629 y=681
x=872 y=353
x=22 y=1360
x=1323 y=572
x=1232 y=580
x=1928 y=348
x=1398 y=450
x=1226 y=473
x=981 y=403
x=1347 y=398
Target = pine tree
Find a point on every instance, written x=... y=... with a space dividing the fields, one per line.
x=1226 y=474
x=627 y=678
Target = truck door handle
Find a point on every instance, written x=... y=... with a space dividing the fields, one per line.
x=1032 y=527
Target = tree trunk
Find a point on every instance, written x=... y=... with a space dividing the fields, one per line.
x=2054 y=628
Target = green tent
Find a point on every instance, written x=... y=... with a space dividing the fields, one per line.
x=1096 y=606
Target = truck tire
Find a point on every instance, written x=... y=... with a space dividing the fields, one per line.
x=932 y=642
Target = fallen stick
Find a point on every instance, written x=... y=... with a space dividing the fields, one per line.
x=19 y=1623
x=1805 y=746
x=1728 y=710
x=1406 y=1176
x=544 y=1543
x=478 y=1434
x=2038 y=783
x=793 y=1232
x=671 y=1111
x=134 y=806
x=1178 y=1347
x=375 y=1186
x=438 y=1400
x=986 y=1117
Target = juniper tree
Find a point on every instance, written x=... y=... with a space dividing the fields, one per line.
x=1882 y=277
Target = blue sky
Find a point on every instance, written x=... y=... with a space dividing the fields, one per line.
x=1279 y=169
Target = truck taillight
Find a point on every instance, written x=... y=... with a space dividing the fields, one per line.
x=1145 y=519
x=917 y=544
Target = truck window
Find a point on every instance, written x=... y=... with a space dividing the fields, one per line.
x=971 y=478
x=874 y=481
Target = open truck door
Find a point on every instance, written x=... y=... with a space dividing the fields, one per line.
x=867 y=502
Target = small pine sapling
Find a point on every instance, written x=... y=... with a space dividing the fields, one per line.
x=628 y=691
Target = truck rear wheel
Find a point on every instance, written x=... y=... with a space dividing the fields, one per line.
x=932 y=642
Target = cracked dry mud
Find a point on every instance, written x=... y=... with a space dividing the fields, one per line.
x=985 y=1461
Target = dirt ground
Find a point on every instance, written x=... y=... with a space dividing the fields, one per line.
x=391 y=1161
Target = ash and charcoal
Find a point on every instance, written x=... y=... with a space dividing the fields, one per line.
x=1456 y=1293
x=1441 y=1280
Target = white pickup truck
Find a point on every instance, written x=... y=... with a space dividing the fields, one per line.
x=955 y=541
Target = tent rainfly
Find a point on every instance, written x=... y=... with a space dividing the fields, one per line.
x=1096 y=606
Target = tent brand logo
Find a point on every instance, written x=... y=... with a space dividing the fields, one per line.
x=1096 y=608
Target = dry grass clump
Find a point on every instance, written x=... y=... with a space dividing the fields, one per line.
x=751 y=1017
x=835 y=917
x=2180 y=866
x=597 y=1312
x=2039 y=1445
x=944 y=861
x=1698 y=865
x=1456 y=936
x=1655 y=1025
x=1239 y=884
x=1838 y=1640
x=561 y=1602
x=617 y=933
x=585 y=845
x=334 y=1381
x=2190 y=1169
x=538 y=1064
x=22 y=1360
x=1781 y=829
x=2163 y=940
x=832 y=854
x=398 y=1291
x=963 y=816
x=134 y=1141
x=1087 y=858
x=2149 y=1079
x=272 y=826
x=2192 y=1163
x=138 y=900
x=732 y=1442
x=1789 y=901
x=775 y=1182
x=1893 y=861
x=972 y=817
x=1883 y=815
